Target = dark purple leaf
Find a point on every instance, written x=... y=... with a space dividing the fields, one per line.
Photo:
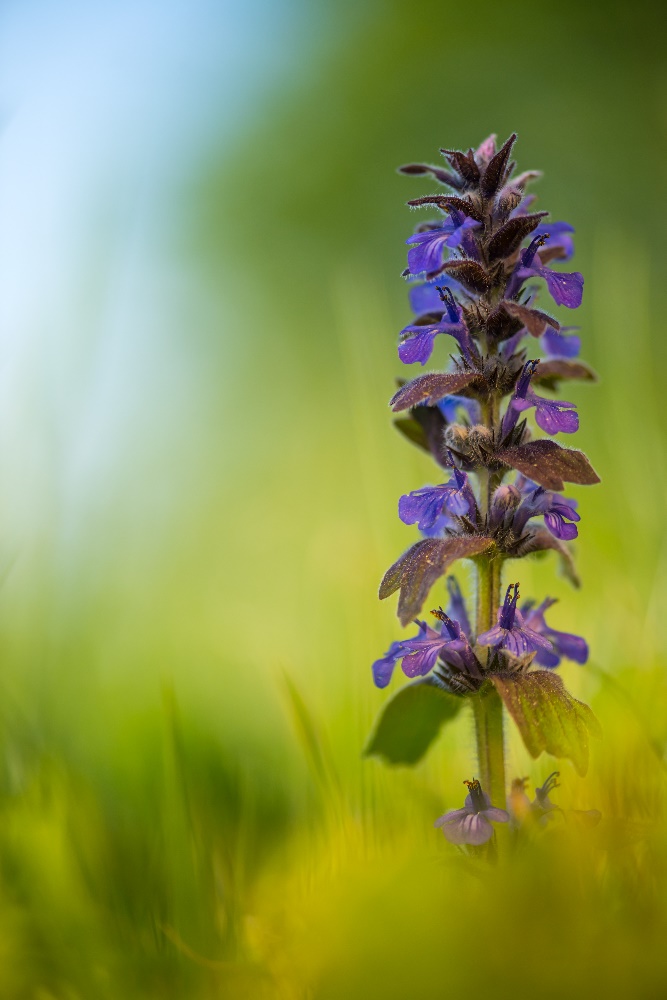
x=552 y=253
x=510 y=236
x=549 y=464
x=444 y=176
x=464 y=164
x=439 y=200
x=547 y=716
x=550 y=373
x=417 y=569
x=494 y=173
x=468 y=273
x=535 y=321
x=430 y=388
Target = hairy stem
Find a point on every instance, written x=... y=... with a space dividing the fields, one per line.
x=490 y=744
x=488 y=707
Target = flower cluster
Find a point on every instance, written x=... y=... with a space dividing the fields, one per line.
x=473 y=275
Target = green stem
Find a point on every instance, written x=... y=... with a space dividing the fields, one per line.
x=490 y=744
x=488 y=707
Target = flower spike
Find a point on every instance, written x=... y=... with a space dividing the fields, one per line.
x=470 y=278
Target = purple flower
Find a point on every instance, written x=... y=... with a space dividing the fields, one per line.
x=558 y=234
x=425 y=297
x=543 y=803
x=421 y=654
x=450 y=405
x=558 y=511
x=423 y=507
x=564 y=644
x=556 y=345
x=472 y=824
x=511 y=633
x=426 y=249
x=565 y=289
x=416 y=343
x=439 y=527
x=552 y=415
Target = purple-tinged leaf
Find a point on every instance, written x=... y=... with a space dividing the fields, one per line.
x=431 y=387
x=548 y=717
x=468 y=273
x=410 y=722
x=549 y=464
x=534 y=320
x=550 y=373
x=495 y=172
x=509 y=237
x=464 y=164
x=525 y=178
x=444 y=176
x=417 y=569
x=445 y=202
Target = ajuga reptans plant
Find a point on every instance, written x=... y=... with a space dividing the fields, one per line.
x=474 y=276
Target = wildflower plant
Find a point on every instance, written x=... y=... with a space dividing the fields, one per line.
x=474 y=276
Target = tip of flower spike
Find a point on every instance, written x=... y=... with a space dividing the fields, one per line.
x=473 y=786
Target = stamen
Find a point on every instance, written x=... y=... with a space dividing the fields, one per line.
x=509 y=607
x=450 y=303
x=528 y=255
x=448 y=622
x=529 y=370
x=476 y=794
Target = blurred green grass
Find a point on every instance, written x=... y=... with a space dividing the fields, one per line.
x=175 y=822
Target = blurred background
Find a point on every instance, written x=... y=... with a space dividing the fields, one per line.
x=201 y=239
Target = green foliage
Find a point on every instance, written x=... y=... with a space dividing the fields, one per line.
x=548 y=717
x=410 y=722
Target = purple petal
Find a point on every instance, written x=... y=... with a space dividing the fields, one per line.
x=521 y=640
x=419 y=663
x=451 y=816
x=559 y=527
x=566 y=289
x=419 y=346
x=469 y=829
x=450 y=405
x=427 y=252
x=559 y=235
x=493 y=637
x=422 y=507
x=558 y=346
x=573 y=647
x=547 y=659
x=552 y=416
x=425 y=298
x=496 y=815
x=384 y=668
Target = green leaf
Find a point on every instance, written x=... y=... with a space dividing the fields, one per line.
x=413 y=432
x=410 y=722
x=547 y=716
